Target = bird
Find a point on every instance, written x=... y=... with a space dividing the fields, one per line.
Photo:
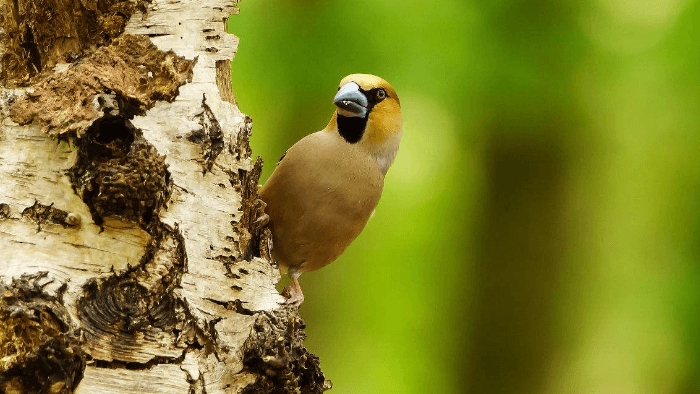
x=327 y=185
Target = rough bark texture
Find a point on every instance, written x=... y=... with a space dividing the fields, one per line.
x=130 y=259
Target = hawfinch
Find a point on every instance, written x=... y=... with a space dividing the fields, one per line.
x=327 y=185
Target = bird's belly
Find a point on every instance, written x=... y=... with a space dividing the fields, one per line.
x=319 y=230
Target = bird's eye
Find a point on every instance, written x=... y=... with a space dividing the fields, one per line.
x=381 y=94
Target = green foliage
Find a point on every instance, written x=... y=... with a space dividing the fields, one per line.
x=539 y=229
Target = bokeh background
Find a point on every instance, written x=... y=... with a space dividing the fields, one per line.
x=539 y=231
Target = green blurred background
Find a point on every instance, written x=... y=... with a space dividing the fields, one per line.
x=539 y=231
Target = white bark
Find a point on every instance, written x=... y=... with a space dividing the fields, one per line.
x=167 y=305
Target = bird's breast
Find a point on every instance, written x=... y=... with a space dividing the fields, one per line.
x=319 y=199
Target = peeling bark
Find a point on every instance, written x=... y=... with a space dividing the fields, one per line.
x=38 y=35
x=130 y=256
x=123 y=79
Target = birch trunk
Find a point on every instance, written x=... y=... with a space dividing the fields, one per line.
x=130 y=261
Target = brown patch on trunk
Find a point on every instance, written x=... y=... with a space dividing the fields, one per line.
x=40 y=348
x=40 y=34
x=275 y=352
x=131 y=69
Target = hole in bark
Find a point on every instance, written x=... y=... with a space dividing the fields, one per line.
x=118 y=173
x=34 y=58
x=114 y=131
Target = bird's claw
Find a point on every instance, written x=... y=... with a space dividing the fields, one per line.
x=293 y=290
x=295 y=298
x=262 y=221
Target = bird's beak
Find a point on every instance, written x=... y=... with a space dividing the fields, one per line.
x=351 y=101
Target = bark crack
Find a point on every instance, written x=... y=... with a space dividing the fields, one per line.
x=209 y=136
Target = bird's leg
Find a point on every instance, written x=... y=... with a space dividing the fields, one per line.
x=296 y=296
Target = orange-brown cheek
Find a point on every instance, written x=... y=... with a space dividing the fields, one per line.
x=382 y=123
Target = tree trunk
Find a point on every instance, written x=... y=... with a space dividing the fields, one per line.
x=130 y=259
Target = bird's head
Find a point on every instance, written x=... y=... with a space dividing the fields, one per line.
x=368 y=113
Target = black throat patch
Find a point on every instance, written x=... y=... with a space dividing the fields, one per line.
x=351 y=128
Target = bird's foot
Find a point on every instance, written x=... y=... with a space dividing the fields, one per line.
x=295 y=298
x=293 y=291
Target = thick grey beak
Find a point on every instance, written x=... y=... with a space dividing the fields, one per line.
x=351 y=101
